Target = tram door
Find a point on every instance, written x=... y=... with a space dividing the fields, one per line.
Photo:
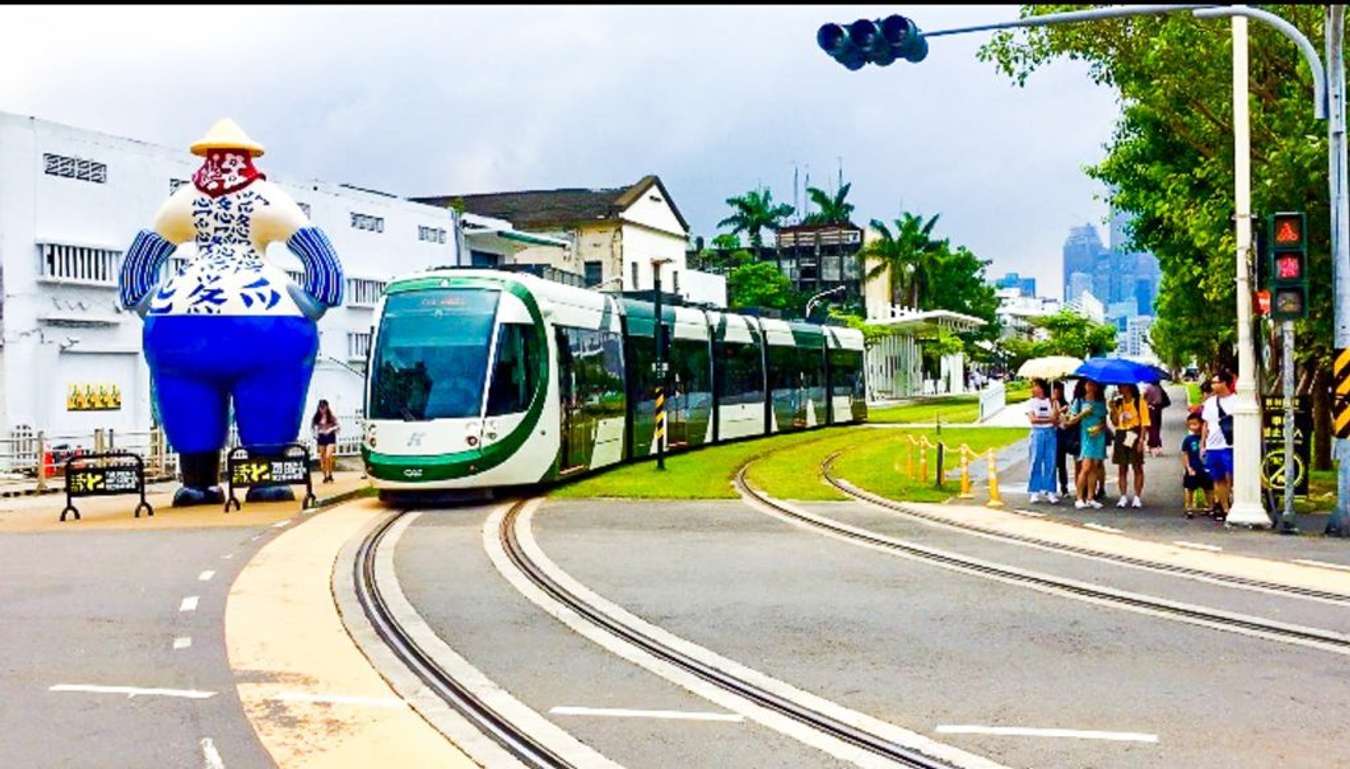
x=574 y=430
x=677 y=399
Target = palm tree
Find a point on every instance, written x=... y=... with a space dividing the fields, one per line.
x=755 y=211
x=829 y=210
x=909 y=254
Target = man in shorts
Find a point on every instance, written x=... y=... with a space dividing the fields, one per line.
x=1217 y=441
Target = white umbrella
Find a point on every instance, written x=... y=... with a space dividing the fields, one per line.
x=1049 y=367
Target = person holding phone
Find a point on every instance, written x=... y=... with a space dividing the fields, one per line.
x=1129 y=415
x=1089 y=413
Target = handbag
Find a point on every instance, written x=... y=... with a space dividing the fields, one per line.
x=1225 y=423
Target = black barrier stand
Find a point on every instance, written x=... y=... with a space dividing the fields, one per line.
x=288 y=465
x=111 y=473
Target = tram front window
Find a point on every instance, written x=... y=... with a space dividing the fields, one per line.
x=431 y=356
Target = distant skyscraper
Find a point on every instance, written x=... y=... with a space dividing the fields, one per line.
x=1078 y=283
x=1082 y=251
x=1024 y=286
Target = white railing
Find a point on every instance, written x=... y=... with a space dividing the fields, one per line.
x=993 y=398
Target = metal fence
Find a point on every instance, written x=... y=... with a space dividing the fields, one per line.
x=31 y=457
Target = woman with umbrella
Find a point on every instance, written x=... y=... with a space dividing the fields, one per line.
x=1089 y=414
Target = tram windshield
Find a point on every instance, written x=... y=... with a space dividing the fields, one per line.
x=431 y=354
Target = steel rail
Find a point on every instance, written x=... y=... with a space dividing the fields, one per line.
x=861 y=495
x=727 y=681
x=491 y=723
x=1325 y=639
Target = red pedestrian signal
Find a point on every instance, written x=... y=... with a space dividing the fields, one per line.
x=1288 y=267
x=1288 y=230
x=1288 y=260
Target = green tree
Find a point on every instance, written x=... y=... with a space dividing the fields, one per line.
x=908 y=253
x=727 y=241
x=1170 y=163
x=830 y=209
x=1069 y=334
x=958 y=283
x=763 y=285
x=871 y=333
x=753 y=212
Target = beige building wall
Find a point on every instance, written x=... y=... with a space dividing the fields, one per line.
x=876 y=292
x=642 y=244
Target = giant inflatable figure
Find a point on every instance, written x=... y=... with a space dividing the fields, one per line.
x=229 y=325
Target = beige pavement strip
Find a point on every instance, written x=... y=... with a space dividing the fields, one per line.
x=293 y=659
x=996 y=522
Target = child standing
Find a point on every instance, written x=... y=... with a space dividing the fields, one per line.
x=1196 y=477
x=1041 y=414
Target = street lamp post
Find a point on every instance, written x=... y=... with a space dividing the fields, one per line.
x=811 y=303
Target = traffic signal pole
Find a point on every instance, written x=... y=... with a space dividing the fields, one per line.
x=1334 y=30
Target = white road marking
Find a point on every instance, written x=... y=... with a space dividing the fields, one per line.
x=732 y=702
x=227 y=556
x=188 y=604
x=212 y=756
x=256 y=538
x=132 y=691
x=1197 y=545
x=182 y=642
x=1323 y=564
x=1031 y=513
x=206 y=576
x=340 y=699
x=1099 y=527
x=1024 y=731
x=672 y=715
x=282 y=524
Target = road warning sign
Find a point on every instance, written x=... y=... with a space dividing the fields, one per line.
x=1340 y=401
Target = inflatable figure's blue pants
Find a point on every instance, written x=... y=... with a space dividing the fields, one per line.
x=199 y=362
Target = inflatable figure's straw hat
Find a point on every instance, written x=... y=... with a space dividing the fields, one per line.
x=226 y=135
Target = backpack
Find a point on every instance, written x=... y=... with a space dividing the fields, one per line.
x=1225 y=423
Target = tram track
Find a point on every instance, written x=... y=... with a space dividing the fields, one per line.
x=496 y=726
x=729 y=682
x=1264 y=586
x=1324 y=640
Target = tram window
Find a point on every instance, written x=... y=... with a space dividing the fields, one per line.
x=742 y=377
x=513 y=373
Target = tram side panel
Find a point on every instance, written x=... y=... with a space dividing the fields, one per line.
x=741 y=400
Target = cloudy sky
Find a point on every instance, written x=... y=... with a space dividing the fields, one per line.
x=716 y=100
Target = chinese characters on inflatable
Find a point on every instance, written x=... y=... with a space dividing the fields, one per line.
x=228 y=327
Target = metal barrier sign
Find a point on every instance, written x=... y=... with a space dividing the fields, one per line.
x=288 y=466
x=103 y=475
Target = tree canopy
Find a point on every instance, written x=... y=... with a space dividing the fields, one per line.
x=1069 y=334
x=830 y=209
x=754 y=212
x=760 y=285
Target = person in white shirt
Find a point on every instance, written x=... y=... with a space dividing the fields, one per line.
x=1216 y=440
x=1043 y=417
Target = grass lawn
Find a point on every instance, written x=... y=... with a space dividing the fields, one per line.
x=788 y=466
x=951 y=408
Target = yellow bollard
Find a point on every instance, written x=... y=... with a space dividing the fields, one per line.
x=965 y=474
x=994 y=499
x=923 y=459
x=909 y=457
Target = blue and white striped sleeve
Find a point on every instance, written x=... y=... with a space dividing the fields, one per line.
x=141 y=266
x=323 y=272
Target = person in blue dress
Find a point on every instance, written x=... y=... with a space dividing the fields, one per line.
x=1041 y=414
x=1089 y=413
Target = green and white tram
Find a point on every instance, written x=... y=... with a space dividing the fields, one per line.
x=483 y=379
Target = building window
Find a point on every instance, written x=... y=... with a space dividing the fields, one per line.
x=674 y=281
x=305 y=207
x=595 y=272
x=362 y=292
x=367 y=222
x=74 y=168
x=485 y=259
x=79 y=264
x=358 y=345
x=635 y=275
x=174 y=184
x=430 y=234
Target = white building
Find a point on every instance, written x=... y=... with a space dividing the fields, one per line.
x=72 y=200
x=1133 y=341
x=1016 y=312
x=895 y=362
x=1087 y=305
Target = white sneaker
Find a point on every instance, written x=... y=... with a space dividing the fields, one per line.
x=1054 y=498
x=1124 y=502
x=1136 y=504
x=1095 y=504
x=1035 y=498
x=1079 y=504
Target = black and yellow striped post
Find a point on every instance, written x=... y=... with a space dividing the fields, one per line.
x=658 y=331
x=660 y=428
x=1340 y=389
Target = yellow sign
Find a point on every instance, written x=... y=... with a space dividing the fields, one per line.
x=93 y=398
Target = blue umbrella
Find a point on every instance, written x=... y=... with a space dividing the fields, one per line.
x=1118 y=371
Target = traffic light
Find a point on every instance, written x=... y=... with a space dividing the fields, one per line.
x=877 y=42
x=1288 y=265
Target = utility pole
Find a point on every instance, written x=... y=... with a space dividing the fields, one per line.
x=658 y=331
x=1288 y=521
x=1246 y=509
x=1334 y=28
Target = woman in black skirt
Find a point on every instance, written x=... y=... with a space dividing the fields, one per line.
x=325 y=427
x=1066 y=440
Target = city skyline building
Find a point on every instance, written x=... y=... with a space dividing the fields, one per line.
x=1025 y=286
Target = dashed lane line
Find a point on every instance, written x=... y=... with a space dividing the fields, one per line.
x=206 y=576
x=182 y=642
x=671 y=715
x=1322 y=564
x=1026 y=731
x=132 y=691
x=188 y=604
x=282 y=524
x=1197 y=545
